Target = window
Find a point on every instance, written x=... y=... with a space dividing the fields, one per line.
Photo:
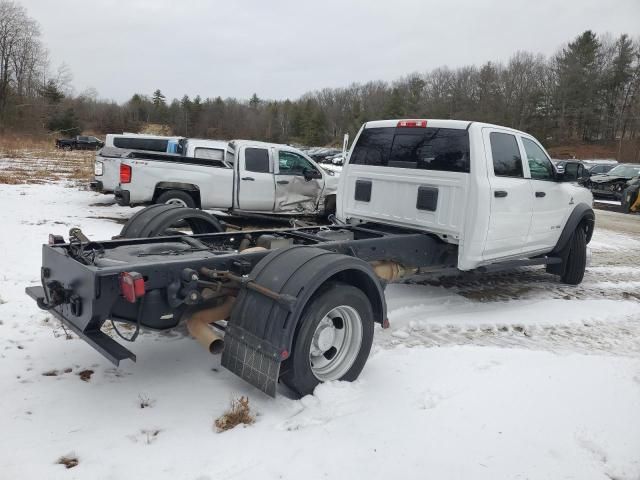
x=293 y=164
x=539 y=164
x=230 y=157
x=506 y=155
x=149 y=144
x=256 y=160
x=208 y=153
x=83 y=139
x=444 y=149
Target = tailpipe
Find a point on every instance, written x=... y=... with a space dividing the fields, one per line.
x=199 y=325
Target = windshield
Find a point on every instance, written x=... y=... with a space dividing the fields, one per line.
x=625 y=171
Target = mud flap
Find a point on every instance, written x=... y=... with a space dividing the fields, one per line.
x=251 y=358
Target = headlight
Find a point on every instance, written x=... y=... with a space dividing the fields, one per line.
x=97 y=169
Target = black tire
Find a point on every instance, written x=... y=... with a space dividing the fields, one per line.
x=158 y=220
x=330 y=206
x=298 y=374
x=68 y=148
x=178 y=196
x=575 y=258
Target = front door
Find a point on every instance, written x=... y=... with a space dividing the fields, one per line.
x=256 y=190
x=550 y=198
x=299 y=184
x=511 y=199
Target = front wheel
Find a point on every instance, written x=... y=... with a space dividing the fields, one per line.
x=575 y=261
x=67 y=148
x=333 y=341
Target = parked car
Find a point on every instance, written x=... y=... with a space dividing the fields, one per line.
x=614 y=182
x=117 y=146
x=595 y=167
x=415 y=196
x=79 y=142
x=249 y=176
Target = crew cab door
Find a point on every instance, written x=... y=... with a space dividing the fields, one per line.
x=510 y=195
x=550 y=198
x=299 y=183
x=255 y=184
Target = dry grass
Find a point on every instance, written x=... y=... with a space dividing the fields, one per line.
x=238 y=414
x=85 y=375
x=145 y=402
x=69 y=461
x=35 y=160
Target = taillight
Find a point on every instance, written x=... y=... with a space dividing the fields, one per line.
x=125 y=173
x=131 y=286
x=55 y=239
x=412 y=123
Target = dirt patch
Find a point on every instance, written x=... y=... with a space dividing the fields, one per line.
x=238 y=414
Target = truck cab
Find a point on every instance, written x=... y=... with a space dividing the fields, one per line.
x=491 y=190
x=280 y=179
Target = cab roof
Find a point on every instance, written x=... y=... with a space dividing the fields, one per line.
x=436 y=123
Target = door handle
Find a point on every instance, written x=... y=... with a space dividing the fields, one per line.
x=283 y=182
x=540 y=194
x=500 y=194
x=248 y=178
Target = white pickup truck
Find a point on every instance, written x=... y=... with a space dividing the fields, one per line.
x=416 y=197
x=251 y=177
x=491 y=190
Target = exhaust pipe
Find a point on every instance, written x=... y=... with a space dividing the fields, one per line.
x=391 y=271
x=199 y=325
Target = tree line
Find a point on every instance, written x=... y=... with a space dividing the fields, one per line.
x=589 y=91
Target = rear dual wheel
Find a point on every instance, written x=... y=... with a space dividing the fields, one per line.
x=161 y=220
x=333 y=340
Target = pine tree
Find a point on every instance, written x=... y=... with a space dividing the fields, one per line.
x=158 y=99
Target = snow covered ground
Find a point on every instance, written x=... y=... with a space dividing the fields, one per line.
x=509 y=375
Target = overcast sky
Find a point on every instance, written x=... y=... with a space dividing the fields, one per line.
x=282 y=49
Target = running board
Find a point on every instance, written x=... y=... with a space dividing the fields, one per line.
x=529 y=262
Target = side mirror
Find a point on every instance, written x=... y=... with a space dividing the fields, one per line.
x=310 y=174
x=573 y=172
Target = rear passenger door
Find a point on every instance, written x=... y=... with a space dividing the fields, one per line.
x=511 y=199
x=550 y=198
x=294 y=191
x=255 y=185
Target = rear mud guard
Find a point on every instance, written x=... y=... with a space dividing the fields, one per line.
x=261 y=331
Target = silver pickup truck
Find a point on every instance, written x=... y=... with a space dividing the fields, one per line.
x=245 y=176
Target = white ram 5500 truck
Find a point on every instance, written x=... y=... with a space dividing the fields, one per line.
x=491 y=190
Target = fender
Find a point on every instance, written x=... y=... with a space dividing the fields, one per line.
x=299 y=271
x=582 y=213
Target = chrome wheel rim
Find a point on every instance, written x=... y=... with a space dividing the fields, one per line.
x=335 y=343
x=176 y=201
